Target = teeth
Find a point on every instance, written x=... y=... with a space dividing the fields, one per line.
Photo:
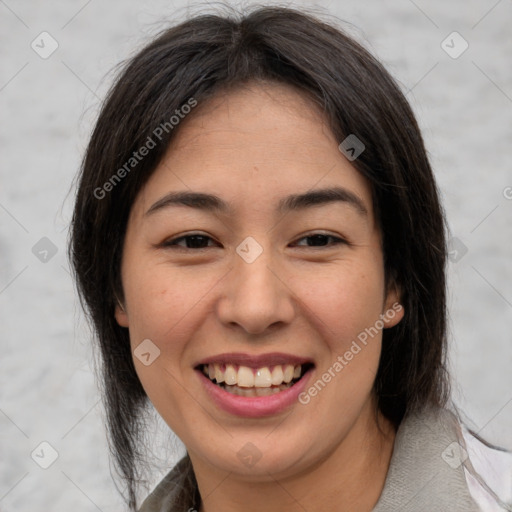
x=230 y=375
x=277 y=375
x=288 y=373
x=263 y=378
x=249 y=392
x=219 y=376
x=245 y=379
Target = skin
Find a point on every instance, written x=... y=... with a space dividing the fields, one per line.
x=253 y=146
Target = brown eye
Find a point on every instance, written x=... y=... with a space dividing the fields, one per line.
x=191 y=242
x=321 y=240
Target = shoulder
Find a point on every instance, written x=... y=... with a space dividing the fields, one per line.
x=437 y=462
x=432 y=468
x=176 y=492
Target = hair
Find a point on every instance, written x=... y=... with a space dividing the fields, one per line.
x=210 y=53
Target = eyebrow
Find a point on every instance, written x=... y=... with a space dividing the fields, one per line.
x=294 y=202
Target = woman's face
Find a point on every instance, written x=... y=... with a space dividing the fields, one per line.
x=261 y=283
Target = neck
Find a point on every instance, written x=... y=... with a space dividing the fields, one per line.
x=350 y=477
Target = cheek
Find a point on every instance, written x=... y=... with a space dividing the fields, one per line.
x=345 y=310
x=165 y=307
x=345 y=302
x=161 y=302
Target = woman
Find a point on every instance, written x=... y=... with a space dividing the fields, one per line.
x=259 y=242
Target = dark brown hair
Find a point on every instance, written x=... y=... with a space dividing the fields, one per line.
x=210 y=53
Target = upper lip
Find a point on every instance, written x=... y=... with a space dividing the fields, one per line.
x=254 y=361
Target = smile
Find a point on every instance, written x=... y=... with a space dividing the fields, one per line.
x=246 y=381
x=254 y=386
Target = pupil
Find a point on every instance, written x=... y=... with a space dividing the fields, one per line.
x=319 y=238
x=194 y=241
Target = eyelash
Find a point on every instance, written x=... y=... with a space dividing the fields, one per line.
x=173 y=242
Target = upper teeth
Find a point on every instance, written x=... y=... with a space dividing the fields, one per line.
x=245 y=377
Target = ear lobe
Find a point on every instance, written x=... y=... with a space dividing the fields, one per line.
x=393 y=309
x=121 y=316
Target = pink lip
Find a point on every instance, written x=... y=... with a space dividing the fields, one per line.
x=257 y=406
x=255 y=361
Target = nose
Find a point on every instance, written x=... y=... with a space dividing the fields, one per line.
x=256 y=296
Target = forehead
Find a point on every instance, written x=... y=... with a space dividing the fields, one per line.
x=250 y=116
x=256 y=144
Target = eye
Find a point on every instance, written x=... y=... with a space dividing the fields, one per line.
x=200 y=241
x=320 y=240
x=193 y=241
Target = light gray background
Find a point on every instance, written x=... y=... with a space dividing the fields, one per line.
x=47 y=388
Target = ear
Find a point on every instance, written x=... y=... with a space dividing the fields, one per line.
x=121 y=316
x=393 y=308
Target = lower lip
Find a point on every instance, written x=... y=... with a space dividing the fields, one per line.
x=254 y=406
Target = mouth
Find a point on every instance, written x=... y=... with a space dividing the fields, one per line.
x=254 y=381
x=254 y=386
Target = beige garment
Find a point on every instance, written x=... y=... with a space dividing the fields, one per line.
x=426 y=472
